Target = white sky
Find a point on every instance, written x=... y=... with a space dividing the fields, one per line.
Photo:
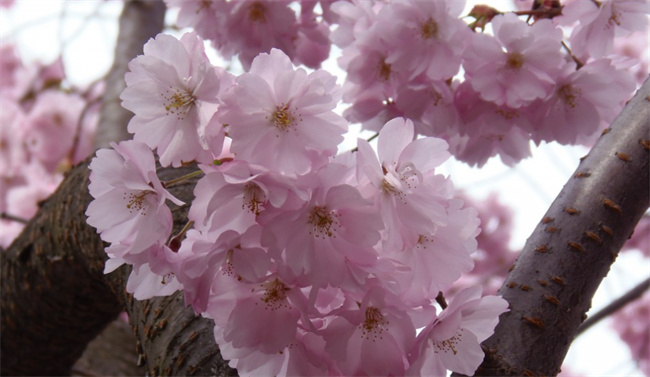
x=43 y=28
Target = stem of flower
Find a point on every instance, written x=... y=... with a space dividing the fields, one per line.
x=175 y=242
x=175 y=181
x=579 y=64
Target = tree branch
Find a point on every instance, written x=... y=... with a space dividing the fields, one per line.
x=615 y=305
x=571 y=250
x=139 y=21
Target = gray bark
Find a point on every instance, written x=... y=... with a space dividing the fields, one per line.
x=569 y=253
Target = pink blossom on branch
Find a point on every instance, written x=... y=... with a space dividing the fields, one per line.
x=452 y=341
x=429 y=37
x=129 y=206
x=173 y=90
x=282 y=118
x=518 y=64
x=600 y=22
x=583 y=102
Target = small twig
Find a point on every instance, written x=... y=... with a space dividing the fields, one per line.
x=579 y=64
x=615 y=305
x=6 y=216
x=371 y=138
x=440 y=299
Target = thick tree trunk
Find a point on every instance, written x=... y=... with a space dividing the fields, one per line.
x=55 y=297
x=563 y=262
x=139 y=21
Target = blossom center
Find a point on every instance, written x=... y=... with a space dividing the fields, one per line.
x=324 y=222
x=450 y=344
x=507 y=114
x=389 y=188
x=137 y=201
x=429 y=29
x=257 y=12
x=410 y=176
x=275 y=295
x=283 y=118
x=569 y=95
x=254 y=197
x=614 y=19
x=424 y=241
x=179 y=102
x=374 y=325
x=383 y=70
x=515 y=60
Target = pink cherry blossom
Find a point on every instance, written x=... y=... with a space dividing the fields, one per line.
x=129 y=206
x=265 y=319
x=518 y=64
x=410 y=196
x=371 y=337
x=207 y=18
x=635 y=47
x=255 y=27
x=303 y=357
x=231 y=196
x=282 y=118
x=50 y=126
x=583 y=102
x=439 y=258
x=145 y=283
x=486 y=130
x=429 y=35
x=325 y=240
x=452 y=341
x=353 y=19
x=599 y=23
x=173 y=90
x=201 y=257
x=12 y=152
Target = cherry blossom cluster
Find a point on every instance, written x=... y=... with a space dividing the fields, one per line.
x=45 y=127
x=485 y=94
x=248 y=27
x=309 y=263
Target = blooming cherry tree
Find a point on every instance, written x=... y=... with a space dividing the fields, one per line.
x=311 y=261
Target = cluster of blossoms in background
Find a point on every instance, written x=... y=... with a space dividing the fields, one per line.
x=45 y=127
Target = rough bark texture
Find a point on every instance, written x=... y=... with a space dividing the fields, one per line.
x=139 y=21
x=55 y=297
x=111 y=353
x=554 y=279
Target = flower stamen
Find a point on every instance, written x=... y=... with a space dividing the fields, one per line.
x=374 y=324
x=136 y=201
x=179 y=103
x=429 y=29
x=324 y=222
x=254 y=197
